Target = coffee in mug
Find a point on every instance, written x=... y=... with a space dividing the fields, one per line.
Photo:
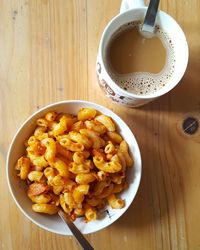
x=133 y=70
x=138 y=64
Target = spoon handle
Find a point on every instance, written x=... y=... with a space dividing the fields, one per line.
x=77 y=234
x=150 y=17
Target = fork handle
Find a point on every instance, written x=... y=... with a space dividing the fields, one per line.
x=77 y=234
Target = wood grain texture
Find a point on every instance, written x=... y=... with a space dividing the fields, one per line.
x=48 y=50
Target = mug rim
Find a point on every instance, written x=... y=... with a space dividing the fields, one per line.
x=160 y=92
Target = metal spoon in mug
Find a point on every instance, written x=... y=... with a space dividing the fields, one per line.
x=148 y=26
x=77 y=234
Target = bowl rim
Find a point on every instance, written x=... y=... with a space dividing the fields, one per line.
x=31 y=117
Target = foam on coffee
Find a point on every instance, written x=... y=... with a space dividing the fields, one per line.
x=144 y=83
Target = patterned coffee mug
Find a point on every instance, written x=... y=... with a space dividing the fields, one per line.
x=134 y=10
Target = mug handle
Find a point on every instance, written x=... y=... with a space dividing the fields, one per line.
x=131 y=4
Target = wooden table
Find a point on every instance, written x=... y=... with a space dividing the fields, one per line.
x=47 y=54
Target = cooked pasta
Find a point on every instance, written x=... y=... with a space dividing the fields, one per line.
x=77 y=163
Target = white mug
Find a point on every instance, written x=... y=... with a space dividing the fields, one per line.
x=134 y=10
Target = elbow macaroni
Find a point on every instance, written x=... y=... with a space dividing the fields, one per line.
x=114 y=202
x=112 y=166
x=78 y=163
x=97 y=141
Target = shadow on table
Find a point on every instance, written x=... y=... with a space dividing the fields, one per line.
x=160 y=195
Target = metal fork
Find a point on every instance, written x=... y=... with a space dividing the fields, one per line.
x=77 y=234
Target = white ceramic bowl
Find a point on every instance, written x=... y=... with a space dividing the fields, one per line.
x=54 y=223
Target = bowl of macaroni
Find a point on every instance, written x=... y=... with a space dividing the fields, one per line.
x=77 y=156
